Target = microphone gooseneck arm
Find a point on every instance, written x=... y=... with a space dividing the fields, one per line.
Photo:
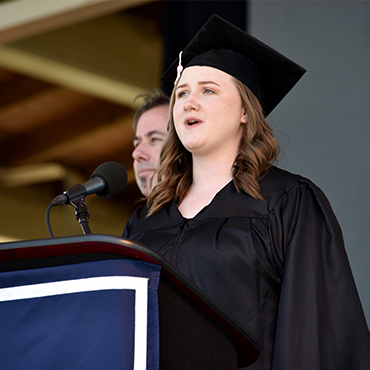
x=82 y=214
x=76 y=195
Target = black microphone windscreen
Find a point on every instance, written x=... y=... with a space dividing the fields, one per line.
x=115 y=177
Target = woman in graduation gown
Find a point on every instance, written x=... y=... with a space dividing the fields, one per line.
x=263 y=243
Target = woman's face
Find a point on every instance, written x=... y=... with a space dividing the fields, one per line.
x=208 y=112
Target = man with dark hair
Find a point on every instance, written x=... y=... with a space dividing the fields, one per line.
x=150 y=127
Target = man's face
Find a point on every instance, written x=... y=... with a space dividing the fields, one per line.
x=150 y=133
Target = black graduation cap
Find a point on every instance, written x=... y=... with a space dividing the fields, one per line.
x=221 y=45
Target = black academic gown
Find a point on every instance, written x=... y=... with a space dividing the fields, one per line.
x=277 y=266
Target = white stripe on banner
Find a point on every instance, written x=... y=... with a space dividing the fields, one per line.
x=139 y=284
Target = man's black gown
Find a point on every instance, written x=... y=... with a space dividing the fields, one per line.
x=277 y=266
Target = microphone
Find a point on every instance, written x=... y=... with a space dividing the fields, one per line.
x=108 y=180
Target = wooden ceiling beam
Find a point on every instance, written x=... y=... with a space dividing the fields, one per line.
x=16 y=87
x=108 y=142
x=25 y=18
x=40 y=110
x=69 y=76
x=39 y=124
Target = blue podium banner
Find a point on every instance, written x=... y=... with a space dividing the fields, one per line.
x=93 y=315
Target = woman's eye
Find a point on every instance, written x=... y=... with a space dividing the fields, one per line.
x=180 y=94
x=208 y=91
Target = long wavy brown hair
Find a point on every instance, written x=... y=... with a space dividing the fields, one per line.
x=258 y=150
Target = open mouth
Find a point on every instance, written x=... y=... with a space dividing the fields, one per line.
x=192 y=122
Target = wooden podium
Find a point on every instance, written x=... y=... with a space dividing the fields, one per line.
x=194 y=332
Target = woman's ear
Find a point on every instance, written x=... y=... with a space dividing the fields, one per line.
x=244 y=118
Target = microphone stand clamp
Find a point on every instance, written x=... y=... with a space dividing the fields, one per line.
x=82 y=214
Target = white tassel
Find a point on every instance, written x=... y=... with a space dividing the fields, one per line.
x=180 y=68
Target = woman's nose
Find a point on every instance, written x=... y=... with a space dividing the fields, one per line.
x=191 y=103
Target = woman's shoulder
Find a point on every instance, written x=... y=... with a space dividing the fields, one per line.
x=277 y=182
x=278 y=179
